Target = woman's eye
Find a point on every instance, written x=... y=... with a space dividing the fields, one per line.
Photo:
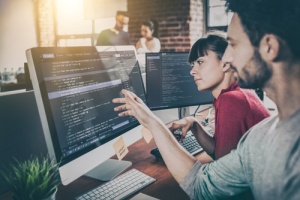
x=199 y=62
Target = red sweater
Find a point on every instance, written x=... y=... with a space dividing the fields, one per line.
x=236 y=111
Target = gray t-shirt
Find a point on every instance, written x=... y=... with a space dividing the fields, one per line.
x=267 y=160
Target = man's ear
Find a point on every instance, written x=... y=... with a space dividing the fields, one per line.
x=269 y=47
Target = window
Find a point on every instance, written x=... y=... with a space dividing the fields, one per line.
x=80 y=21
x=216 y=15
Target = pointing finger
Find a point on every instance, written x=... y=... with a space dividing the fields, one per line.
x=131 y=96
x=119 y=100
x=122 y=107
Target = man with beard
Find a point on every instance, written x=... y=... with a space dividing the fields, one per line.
x=264 y=51
x=115 y=35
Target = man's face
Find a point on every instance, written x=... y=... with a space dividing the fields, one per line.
x=122 y=22
x=250 y=70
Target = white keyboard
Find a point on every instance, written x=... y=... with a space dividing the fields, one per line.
x=120 y=187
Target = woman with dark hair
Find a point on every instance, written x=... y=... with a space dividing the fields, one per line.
x=149 y=41
x=236 y=109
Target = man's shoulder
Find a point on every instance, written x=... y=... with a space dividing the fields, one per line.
x=256 y=134
x=106 y=31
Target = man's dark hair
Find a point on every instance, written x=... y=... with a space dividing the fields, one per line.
x=260 y=17
x=124 y=13
x=214 y=41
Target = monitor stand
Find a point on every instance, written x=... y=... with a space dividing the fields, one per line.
x=109 y=169
x=183 y=112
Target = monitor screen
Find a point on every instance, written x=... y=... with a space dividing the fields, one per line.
x=74 y=87
x=169 y=83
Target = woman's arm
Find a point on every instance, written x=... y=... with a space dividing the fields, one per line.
x=156 y=45
x=138 y=45
x=141 y=46
x=206 y=141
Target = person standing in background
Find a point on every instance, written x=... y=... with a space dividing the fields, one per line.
x=116 y=35
x=149 y=41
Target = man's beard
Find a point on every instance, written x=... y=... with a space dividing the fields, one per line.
x=261 y=76
x=118 y=28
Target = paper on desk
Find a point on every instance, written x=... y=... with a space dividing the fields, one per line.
x=147 y=135
x=141 y=196
x=120 y=148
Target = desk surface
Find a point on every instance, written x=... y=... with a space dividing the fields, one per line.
x=165 y=186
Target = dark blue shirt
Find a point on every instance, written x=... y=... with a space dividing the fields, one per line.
x=110 y=38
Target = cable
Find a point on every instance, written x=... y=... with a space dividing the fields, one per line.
x=196 y=111
x=207 y=117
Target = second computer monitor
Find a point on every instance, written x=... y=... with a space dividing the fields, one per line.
x=169 y=83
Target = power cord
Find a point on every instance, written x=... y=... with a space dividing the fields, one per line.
x=196 y=111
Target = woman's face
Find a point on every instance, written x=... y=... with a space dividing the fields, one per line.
x=208 y=71
x=146 y=32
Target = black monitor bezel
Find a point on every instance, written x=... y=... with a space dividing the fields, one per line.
x=35 y=52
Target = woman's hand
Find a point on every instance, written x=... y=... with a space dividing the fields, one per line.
x=134 y=106
x=184 y=125
x=143 y=42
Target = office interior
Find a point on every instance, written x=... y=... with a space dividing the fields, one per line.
x=26 y=24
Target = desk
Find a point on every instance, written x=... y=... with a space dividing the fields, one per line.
x=165 y=187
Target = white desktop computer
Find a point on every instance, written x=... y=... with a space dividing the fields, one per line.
x=74 y=88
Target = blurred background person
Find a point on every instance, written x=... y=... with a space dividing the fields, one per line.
x=116 y=35
x=149 y=41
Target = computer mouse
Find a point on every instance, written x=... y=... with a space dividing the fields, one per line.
x=156 y=153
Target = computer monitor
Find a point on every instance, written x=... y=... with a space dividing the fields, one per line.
x=74 y=88
x=21 y=134
x=169 y=83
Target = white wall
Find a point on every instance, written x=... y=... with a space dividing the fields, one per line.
x=17 y=32
x=96 y=9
